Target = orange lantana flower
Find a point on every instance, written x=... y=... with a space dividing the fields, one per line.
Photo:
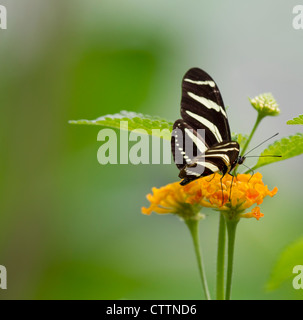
x=171 y=198
x=237 y=196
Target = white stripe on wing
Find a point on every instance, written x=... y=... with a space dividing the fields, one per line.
x=207 y=124
x=207 y=103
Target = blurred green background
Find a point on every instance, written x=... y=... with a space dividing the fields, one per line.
x=71 y=228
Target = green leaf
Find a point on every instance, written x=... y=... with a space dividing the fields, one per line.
x=283 y=269
x=286 y=147
x=298 y=120
x=135 y=121
x=140 y=121
x=240 y=138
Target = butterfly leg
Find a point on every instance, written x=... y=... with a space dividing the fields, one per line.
x=212 y=177
x=251 y=170
x=224 y=171
x=222 y=189
x=232 y=180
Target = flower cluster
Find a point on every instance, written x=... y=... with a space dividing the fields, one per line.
x=265 y=104
x=172 y=198
x=230 y=196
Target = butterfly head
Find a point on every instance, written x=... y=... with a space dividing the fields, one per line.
x=240 y=159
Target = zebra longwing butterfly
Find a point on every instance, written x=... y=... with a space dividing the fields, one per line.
x=202 y=107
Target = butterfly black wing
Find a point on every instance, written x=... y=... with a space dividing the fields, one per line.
x=202 y=107
x=186 y=143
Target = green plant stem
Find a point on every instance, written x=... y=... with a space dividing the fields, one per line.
x=193 y=225
x=231 y=232
x=258 y=120
x=221 y=258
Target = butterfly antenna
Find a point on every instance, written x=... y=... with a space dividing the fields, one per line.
x=267 y=155
x=260 y=144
